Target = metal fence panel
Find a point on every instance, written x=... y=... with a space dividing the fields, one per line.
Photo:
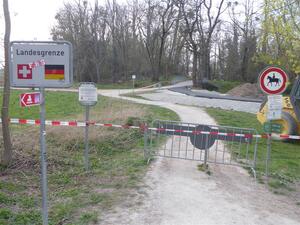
x=200 y=142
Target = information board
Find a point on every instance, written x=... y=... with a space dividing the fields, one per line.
x=274 y=107
x=88 y=95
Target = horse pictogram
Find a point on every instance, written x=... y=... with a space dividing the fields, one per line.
x=272 y=80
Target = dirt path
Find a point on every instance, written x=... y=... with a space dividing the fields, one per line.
x=175 y=192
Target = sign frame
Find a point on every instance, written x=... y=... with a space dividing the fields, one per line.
x=34 y=59
x=265 y=73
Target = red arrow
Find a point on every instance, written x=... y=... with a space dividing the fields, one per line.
x=29 y=99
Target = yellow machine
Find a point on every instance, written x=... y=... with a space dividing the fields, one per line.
x=290 y=120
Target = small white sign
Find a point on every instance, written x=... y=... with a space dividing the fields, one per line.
x=274 y=107
x=88 y=95
x=133 y=77
x=274 y=115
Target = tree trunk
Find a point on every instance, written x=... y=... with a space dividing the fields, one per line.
x=7 y=153
x=194 y=70
x=244 y=66
x=161 y=50
x=206 y=63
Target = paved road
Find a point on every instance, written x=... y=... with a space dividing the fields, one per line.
x=174 y=192
x=212 y=94
x=178 y=98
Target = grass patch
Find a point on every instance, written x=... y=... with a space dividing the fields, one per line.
x=285 y=157
x=116 y=161
x=58 y=105
x=88 y=218
x=204 y=168
x=225 y=86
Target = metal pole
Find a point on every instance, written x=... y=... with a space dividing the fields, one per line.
x=269 y=140
x=205 y=153
x=145 y=142
x=133 y=85
x=86 y=139
x=43 y=157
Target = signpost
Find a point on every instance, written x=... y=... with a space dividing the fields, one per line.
x=88 y=96
x=40 y=64
x=30 y=99
x=273 y=82
x=133 y=79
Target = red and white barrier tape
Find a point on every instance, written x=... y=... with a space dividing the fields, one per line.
x=83 y=124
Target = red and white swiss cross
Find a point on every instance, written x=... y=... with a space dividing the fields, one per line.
x=24 y=71
x=273 y=80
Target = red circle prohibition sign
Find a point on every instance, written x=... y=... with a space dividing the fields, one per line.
x=281 y=82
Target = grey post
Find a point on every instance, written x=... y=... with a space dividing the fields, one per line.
x=206 y=151
x=269 y=140
x=43 y=157
x=146 y=156
x=133 y=85
x=86 y=138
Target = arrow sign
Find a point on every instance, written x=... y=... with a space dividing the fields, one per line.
x=30 y=99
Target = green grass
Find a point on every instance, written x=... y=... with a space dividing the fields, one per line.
x=285 y=157
x=59 y=105
x=75 y=196
x=225 y=86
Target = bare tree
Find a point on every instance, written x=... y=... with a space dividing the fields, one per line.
x=7 y=153
x=201 y=18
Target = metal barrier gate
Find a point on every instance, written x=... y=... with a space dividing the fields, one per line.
x=199 y=142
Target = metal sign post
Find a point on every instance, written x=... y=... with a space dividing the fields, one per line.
x=43 y=157
x=273 y=82
x=86 y=138
x=40 y=64
x=133 y=79
x=269 y=144
x=87 y=97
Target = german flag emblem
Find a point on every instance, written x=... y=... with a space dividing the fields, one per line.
x=54 y=72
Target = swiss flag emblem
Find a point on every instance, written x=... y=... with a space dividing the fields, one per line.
x=24 y=71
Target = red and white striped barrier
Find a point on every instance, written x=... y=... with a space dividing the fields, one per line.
x=83 y=124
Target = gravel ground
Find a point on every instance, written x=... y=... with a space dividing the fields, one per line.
x=175 y=192
x=174 y=97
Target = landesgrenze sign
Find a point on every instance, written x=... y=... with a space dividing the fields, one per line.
x=41 y=64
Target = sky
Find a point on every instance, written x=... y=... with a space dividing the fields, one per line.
x=31 y=19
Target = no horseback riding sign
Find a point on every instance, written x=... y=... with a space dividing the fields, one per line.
x=273 y=80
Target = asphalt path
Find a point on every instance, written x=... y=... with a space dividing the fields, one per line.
x=183 y=99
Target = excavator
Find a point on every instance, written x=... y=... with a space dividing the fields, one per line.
x=290 y=118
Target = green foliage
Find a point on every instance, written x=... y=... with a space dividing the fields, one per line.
x=280 y=35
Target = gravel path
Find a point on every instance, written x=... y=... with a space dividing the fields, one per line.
x=174 y=192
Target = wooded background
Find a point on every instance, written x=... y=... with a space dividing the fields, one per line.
x=205 y=39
